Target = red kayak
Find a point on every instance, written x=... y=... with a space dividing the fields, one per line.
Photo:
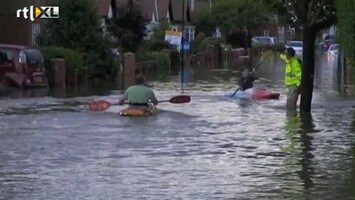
x=256 y=94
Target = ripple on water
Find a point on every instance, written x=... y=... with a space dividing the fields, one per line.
x=211 y=148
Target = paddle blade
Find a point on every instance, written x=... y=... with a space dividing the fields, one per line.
x=180 y=99
x=100 y=105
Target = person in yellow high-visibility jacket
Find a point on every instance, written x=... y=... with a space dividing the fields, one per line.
x=293 y=74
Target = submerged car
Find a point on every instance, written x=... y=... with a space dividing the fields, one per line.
x=263 y=40
x=325 y=44
x=333 y=49
x=296 y=45
x=22 y=67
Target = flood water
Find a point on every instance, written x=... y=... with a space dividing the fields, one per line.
x=214 y=147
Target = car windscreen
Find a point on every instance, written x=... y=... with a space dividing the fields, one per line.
x=295 y=44
x=264 y=40
x=33 y=56
x=334 y=47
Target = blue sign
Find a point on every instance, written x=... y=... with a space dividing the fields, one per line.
x=186 y=46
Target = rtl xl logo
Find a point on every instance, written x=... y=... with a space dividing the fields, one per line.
x=44 y=12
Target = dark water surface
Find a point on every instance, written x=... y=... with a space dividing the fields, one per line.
x=212 y=148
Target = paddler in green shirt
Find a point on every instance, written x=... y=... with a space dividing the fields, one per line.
x=139 y=95
x=293 y=74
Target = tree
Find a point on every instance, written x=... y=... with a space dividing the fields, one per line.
x=157 y=41
x=346 y=26
x=235 y=18
x=204 y=23
x=78 y=28
x=313 y=16
x=159 y=32
x=129 y=27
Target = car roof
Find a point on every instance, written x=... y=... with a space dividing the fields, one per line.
x=295 y=41
x=263 y=37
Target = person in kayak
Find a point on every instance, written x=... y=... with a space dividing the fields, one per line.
x=246 y=80
x=293 y=74
x=139 y=95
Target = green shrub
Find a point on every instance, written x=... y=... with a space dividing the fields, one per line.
x=143 y=54
x=157 y=45
x=175 y=58
x=210 y=42
x=198 y=41
x=73 y=62
x=162 y=60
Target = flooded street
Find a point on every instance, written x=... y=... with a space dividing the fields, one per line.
x=214 y=147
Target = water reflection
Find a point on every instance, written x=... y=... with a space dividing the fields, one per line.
x=350 y=181
x=298 y=152
x=188 y=74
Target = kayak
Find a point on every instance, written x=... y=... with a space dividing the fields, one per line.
x=255 y=94
x=138 y=112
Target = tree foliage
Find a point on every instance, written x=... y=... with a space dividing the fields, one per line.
x=346 y=26
x=129 y=26
x=230 y=15
x=157 y=41
x=318 y=14
x=159 y=32
x=78 y=28
x=204 y=22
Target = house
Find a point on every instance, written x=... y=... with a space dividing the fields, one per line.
x=17 y=30
x=181 y=14
x=22 y=31
x=105 y=9
x=157 y=11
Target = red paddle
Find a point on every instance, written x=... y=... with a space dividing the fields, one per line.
x=102 y=105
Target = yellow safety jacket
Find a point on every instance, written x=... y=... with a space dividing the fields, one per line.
x=293 y=71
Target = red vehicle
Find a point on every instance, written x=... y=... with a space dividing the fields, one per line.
x=22 y=66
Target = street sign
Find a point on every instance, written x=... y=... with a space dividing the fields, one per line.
x=173 y=38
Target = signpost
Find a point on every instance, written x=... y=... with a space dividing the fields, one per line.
x=180 y=41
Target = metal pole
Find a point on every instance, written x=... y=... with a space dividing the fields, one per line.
x=182 y=43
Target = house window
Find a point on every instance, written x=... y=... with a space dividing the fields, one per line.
x=282 y=34
x=292 y=31
x=266 y=32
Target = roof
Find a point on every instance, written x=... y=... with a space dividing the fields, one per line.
x=102 y=7
x=163 y=7
x=201 y=6
x=177 y=10
x=147 y=7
